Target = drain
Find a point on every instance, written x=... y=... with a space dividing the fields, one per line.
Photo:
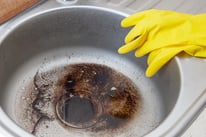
x=77 y=112
x=96 y=96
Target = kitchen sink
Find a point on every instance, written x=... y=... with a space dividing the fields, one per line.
x=76 y=42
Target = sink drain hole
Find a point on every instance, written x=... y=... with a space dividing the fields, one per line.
x=96 y=97
x=77 y=112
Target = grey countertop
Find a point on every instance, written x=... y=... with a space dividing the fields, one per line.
x=198 y=128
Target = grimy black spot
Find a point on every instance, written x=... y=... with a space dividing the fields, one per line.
x=96 y=97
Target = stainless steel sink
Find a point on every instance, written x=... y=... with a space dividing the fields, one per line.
x=44 y=41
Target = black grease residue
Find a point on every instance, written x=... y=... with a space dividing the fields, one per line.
x=96 y=97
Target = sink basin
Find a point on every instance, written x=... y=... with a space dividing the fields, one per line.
x=42 y=47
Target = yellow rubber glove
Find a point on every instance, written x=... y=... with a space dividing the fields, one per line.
x=163 y=34
x=160 y=57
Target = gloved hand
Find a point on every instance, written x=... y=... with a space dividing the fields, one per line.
x=163 y=34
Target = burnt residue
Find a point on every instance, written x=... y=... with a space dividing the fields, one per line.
x=84 y=96
x=43 y=103
x=41 y=117
x=104 y=98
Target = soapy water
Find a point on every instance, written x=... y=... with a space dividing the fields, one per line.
x=82 y=100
